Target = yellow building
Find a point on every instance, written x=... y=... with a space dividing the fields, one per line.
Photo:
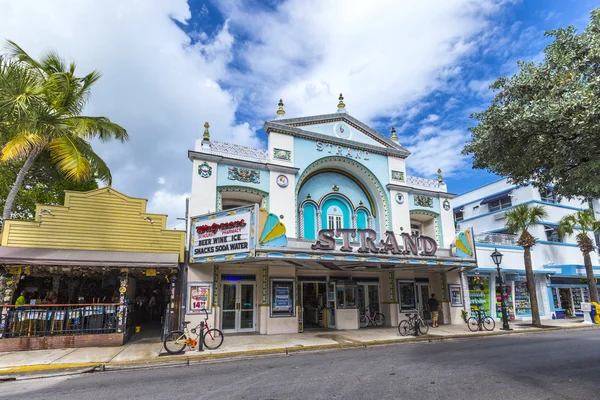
x=100 y=249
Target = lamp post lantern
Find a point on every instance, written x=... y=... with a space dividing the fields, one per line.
x=497 y=258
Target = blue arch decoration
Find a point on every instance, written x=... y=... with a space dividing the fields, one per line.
x=335 y=200
x=320 y=165
x=309 y=220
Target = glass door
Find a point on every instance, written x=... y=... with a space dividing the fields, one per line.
x=422 y=297
x=373 y=297
x=238 y=307
x=229 y=307
x=246 y=307
x=331 y=305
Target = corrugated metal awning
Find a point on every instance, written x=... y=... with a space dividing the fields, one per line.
x=100 y=258
x=495 y=197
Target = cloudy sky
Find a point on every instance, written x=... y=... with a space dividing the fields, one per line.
x=170 y=65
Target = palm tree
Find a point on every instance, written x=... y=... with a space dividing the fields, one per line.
x=583 y=222
x=519 y=219
x=40 y=108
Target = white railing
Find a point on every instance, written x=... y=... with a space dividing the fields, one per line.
x=497 y=238
x=416 y=181
x=237 y=151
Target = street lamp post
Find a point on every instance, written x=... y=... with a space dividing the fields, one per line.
x=497 y=258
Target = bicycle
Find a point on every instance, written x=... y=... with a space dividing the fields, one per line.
x=407 y=326
x=176 y=341
x=482 y=319
x=377 y=319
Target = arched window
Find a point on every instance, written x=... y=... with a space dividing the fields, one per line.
x=309 y=221
x=334 y=218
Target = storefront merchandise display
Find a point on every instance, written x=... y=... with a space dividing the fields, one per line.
x=508 y=301
x=479 y=293
x=522 y=301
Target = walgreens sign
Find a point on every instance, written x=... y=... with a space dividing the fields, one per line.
x=229 y=234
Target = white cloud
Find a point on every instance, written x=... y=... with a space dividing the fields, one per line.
x=161 y=180
x=431 y=118
x=172 y=204
x=482 y=87
x=384 y=56
x=155 y=84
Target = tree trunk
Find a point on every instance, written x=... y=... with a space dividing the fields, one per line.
x=535 y=311
x=587 y=261
x=14 y=190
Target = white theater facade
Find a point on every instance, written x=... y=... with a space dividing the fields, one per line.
x=318 y=228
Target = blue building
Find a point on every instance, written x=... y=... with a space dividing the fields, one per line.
x=560 y=275
x=319 y=227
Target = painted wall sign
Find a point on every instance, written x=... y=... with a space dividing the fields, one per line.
x=343 y=151
x=229 y=234
x=367 y=240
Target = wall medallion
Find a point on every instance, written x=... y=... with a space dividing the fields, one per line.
x=446 y=205
x=397 y=175
x=400 y=198
x=282 y=181
x=204 y=170
x=243 y=175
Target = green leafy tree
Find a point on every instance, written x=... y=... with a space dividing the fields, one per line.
x=44 y=184
x=41 y=102
x=543 y=126
x=583 y=222
x=517 y=221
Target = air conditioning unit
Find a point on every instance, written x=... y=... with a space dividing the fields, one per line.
x=499 y=216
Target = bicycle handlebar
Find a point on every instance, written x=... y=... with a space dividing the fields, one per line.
x=205 y=312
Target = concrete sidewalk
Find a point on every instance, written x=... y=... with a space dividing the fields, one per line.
x=144 y=353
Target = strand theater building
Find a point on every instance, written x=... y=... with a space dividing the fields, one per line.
x=318 y=228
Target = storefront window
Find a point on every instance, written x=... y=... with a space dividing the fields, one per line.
x=522 y=302
x=577 y=299
x=282 y=298
x=347 y=296
x=479 y=293
x=406 y=296
x=508 y=301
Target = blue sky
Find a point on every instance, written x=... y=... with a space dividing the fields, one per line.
x=518 y=34
x=169 y=66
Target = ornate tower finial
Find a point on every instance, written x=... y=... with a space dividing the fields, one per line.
x=440 y=179
x=341 y=105
x=206 y=133
x=394 y=137
x=280 y=111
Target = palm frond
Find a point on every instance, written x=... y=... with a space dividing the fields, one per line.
x=567 y=224
x=52 y=62
x=20 y=145
x=69 y=158
x=21 y=55
x=100 y=127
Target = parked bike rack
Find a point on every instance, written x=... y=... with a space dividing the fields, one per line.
x=200 y=345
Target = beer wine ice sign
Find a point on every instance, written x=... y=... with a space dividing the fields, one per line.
x=367 y=239
x=226 y=235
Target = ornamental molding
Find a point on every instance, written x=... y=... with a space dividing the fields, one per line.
x=246 y=175
x=195 y=155
x=350 y=120
x=436 y=223
x=241 y=189
x=410 y=189
x=381 y=193
x=320 y=137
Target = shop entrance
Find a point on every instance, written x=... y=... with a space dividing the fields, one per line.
x=238 y=307
x=368 y=297
x=566 y=301
x=423 y=294
x=152 y=297
x=314 y=296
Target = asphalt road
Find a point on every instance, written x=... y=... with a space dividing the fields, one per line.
x=549 y=365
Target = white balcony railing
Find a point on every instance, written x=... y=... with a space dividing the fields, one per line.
x=497 y=238
x=425 y=183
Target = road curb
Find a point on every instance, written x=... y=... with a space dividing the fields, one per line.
x=22 y=372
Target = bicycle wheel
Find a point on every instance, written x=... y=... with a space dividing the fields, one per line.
x=473 y=324
x=213 y=339
x=364 y=321
x=379 y=319
x=489 y=324
x=174 y=342
x=404 y=328
x=423 y=327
